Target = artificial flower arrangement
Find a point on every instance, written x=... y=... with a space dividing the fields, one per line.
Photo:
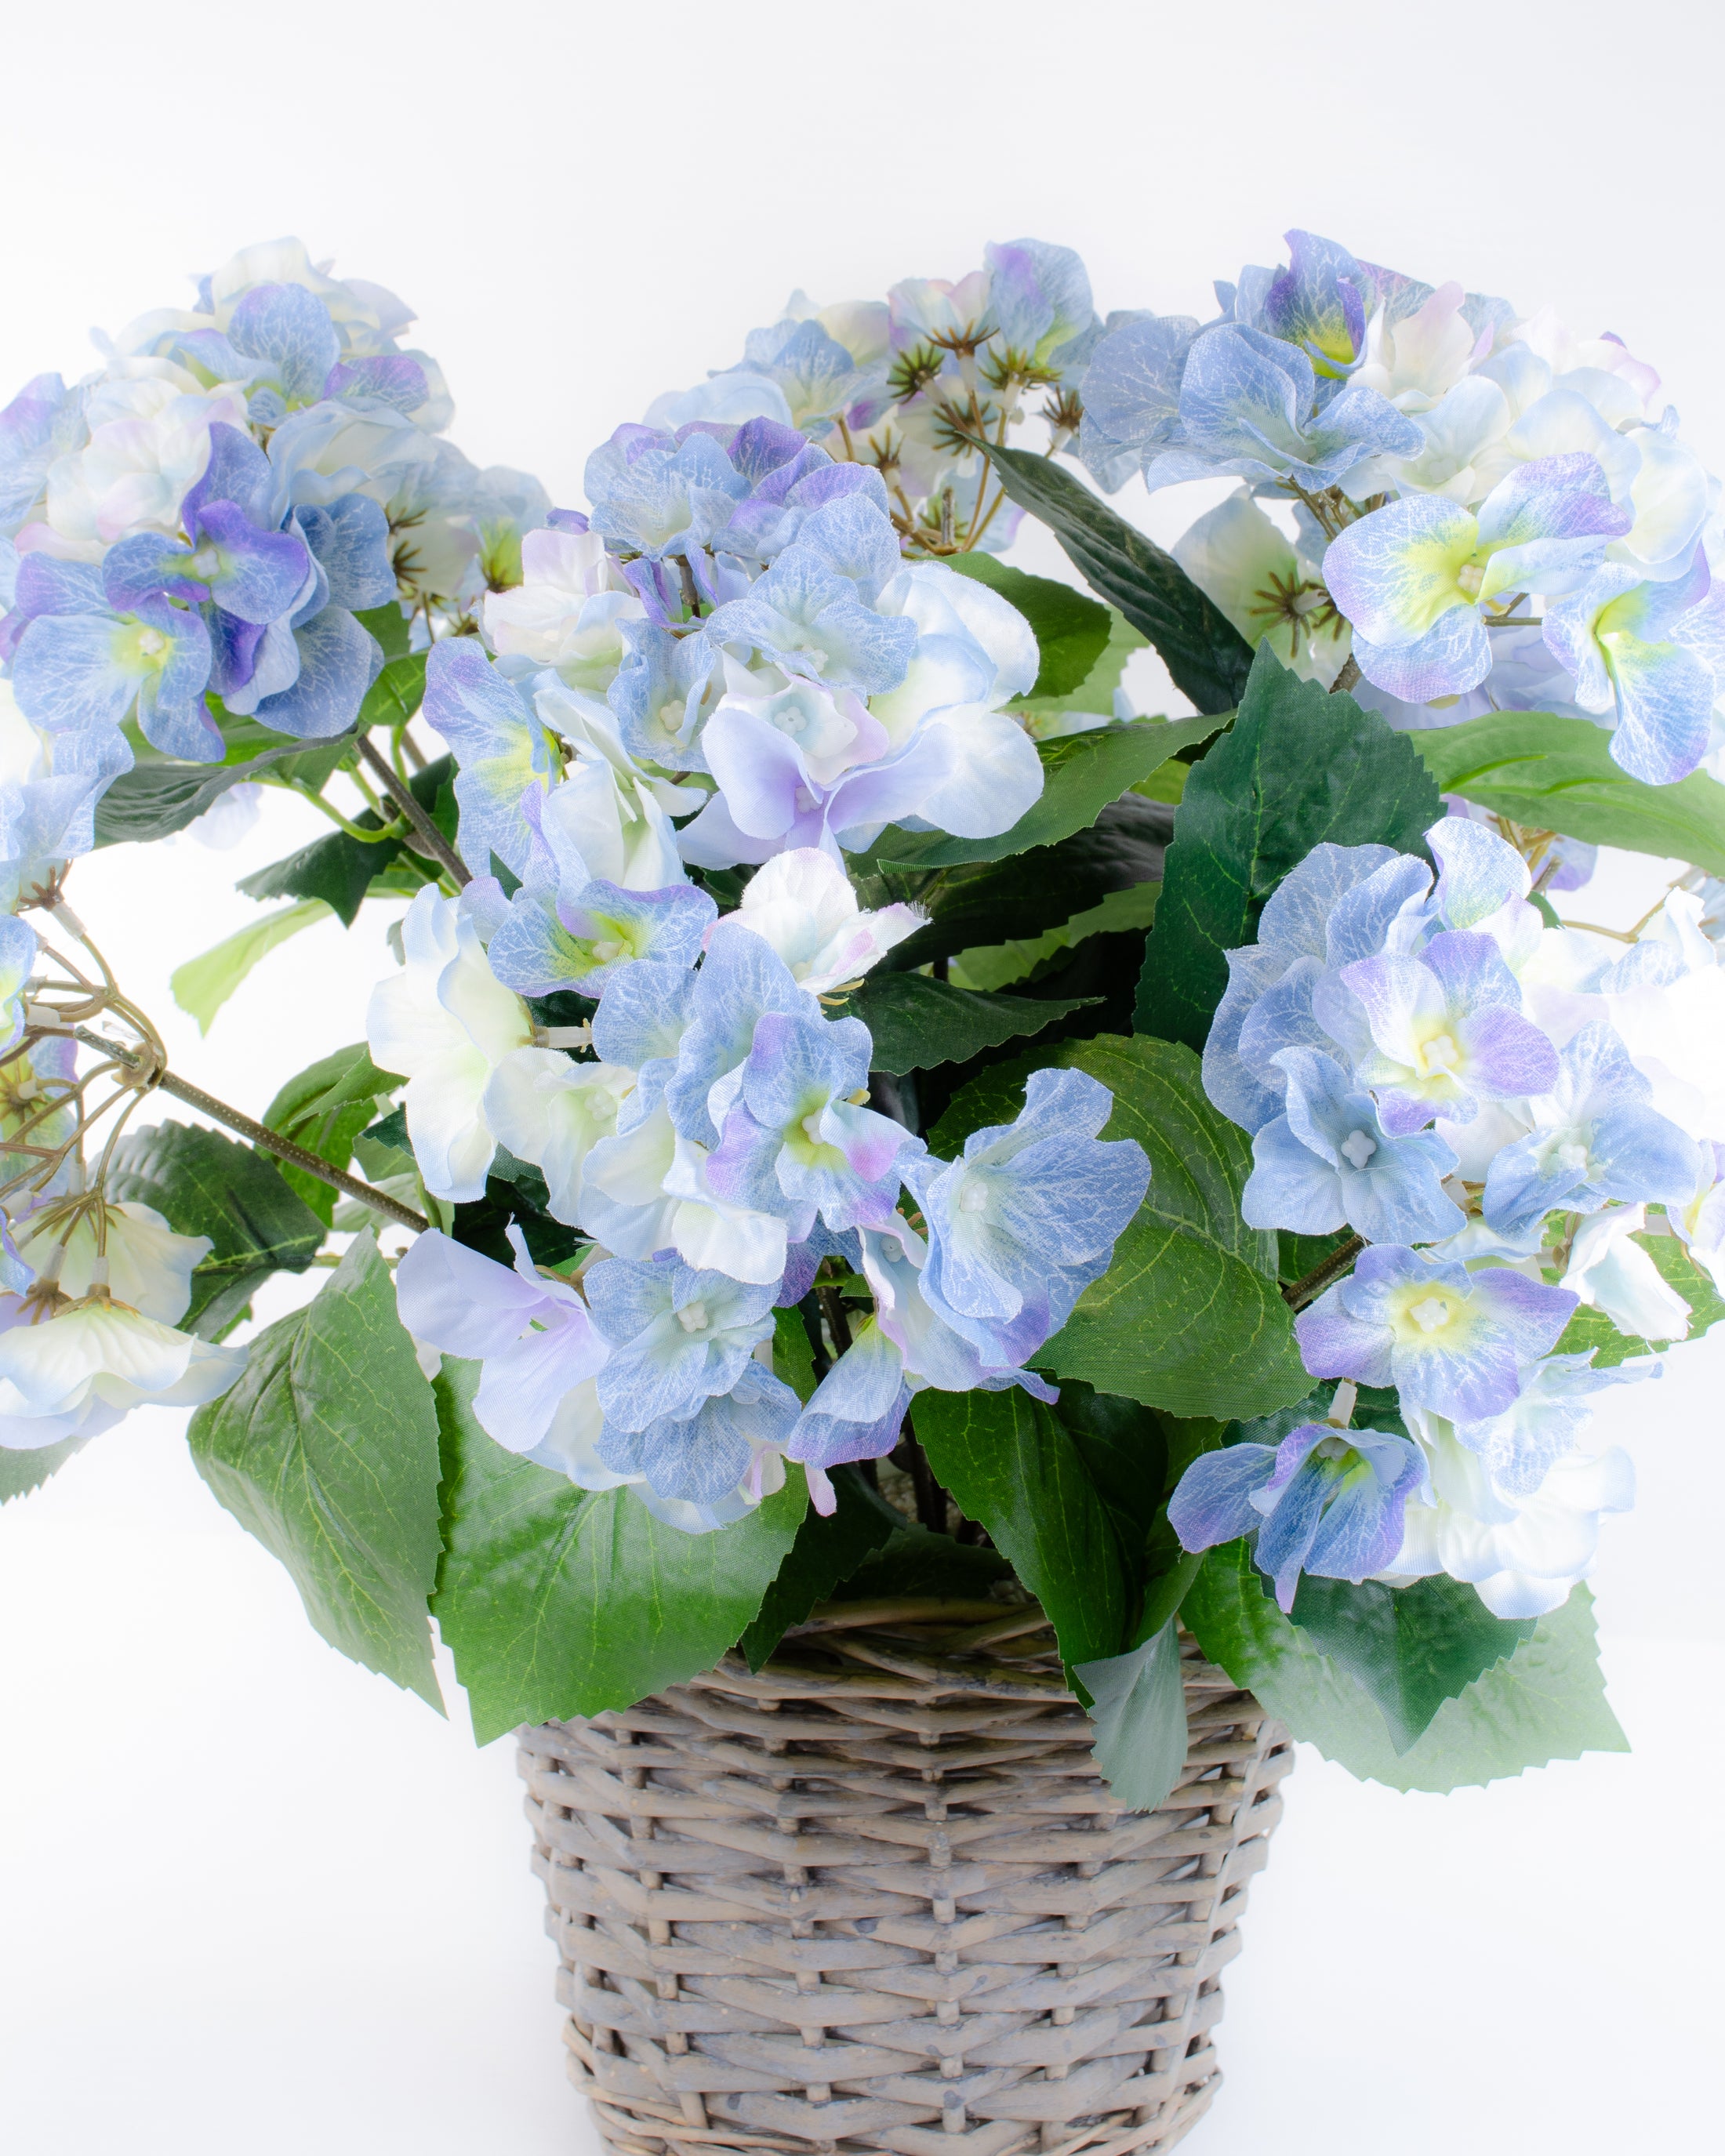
x=861 y=1112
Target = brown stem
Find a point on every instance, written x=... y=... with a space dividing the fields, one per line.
x=1347 y=677
x=260 y=1134
x=431 y=840
x=1302 y=1292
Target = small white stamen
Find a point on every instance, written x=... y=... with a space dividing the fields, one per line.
x=1441 y=1053
x=1431 y=1313
x=1358 y=1148
x=692 y=1317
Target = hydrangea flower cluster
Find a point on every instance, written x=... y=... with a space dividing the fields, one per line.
x=1487 y=512
x=187 y=535
x=734 y=631
x=712 y=1137
x=187 y=539
x=1491 y=1104
x=909 y=384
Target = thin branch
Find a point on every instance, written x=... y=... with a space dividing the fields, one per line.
x=1346 y=677
x=260 y=1134
x=1339 y=1262
x=431 y=840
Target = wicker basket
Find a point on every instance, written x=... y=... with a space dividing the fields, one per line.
x=876 y=1897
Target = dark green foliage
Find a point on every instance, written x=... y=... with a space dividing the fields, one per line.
x=205 y=1184
x=324 y=1109
x=21 y=1472
x=1556 y=774
x=556 y=1600
x=327 y=1451
x=1207 y=656
x=1298 y=768
x=917 y=1022
x=827 y=1550
x=1546 y=1702
x=339 y=869
x=986 y=902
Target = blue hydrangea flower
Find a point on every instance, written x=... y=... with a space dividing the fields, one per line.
x=1325 y=1501
x=1415 y=578
x=1452 y=1342
x=1337 y=905
x=740 y=980
x=894 y=1261
x=577 y=934
x=1629 y=646
x=1436 y=1035
x=41 y=423
x=663 y=495
x=1249 y=406
x=82 y=664
x=1132 y=393
x=660 y=694
x=678 y=1336
x=798 y=1142
x=1320 y=302
x=808 y=619
x=1595 y=1138
x=1520 y=1446
x=700 y=1457
x=500 y=745
x=1327 y=1162
x=780 y=505
x=1028 y=1218
x=857 y=1408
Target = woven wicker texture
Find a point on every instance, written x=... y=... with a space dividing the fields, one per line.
x=876 y=1897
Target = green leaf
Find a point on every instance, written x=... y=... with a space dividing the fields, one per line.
x=826 y=1551
x=1556 y=774
x=1410 y=1647
x=984 y=902
x=1071 y=630
x=793 y=1354
x=1298 y=767
x=392 y=629
x=1139 y=1705
x=1043 y=715
x=988 y=967
x=397 y=694
x=917 y=1022
x=1189 y=1316
x=557 y=1601
x=203 y=984
x=1204 y=653
x=915 y=1561
x=1082 y=773
x=336 y=869
x=1547 y=1701
x=204 y=1184
x=340 y=868
x=21 y=1472
x=1014 y=1469
x=327 y=1451
x=324 y=1109
x=1592 y=1328
x=157 y=798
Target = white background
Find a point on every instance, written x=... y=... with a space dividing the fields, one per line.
x=251 y=1896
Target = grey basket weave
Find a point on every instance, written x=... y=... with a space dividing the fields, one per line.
x=876 y=1897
